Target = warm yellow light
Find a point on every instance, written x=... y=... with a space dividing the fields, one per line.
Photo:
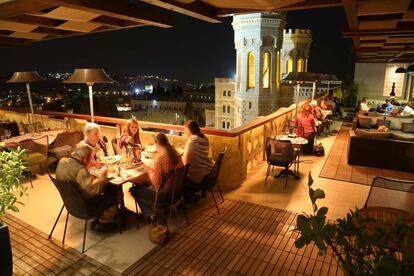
x=251 y=70
x=289 y=66
x=266 y=70
x=300 y=65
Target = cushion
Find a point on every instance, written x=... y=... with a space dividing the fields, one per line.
x=402 y=137
x=34 y=158
x=373 y=134
x=60 y=152
x=407 y=127
x=364 y=122
x=381 y=122
x=395 y=122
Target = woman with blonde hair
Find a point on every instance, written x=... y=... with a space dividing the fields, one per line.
x=305 y=123
x=130 y=134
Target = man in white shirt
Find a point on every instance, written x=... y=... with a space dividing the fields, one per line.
x=407 y=111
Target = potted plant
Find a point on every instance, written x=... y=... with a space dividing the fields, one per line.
x=11 y=172
x=384 y=250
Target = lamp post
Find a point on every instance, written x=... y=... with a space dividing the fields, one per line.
x=27 y=77
x=89 y=76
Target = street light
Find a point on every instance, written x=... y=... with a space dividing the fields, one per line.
x=89 y=76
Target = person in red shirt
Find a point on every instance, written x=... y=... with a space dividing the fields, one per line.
x=145 y=189
x=305 y=123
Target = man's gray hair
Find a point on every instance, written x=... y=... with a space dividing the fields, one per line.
x=91 y=126
x=82 y=151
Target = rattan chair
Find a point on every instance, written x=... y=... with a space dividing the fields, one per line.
x=37 y=158
x=64 y=143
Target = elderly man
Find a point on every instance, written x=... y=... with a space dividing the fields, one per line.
x=74 y=170
x=92 y=138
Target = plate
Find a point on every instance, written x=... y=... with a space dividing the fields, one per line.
x=109 y=160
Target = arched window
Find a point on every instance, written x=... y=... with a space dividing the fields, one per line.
x=266 y=70
x=289 y=66
x=228 y=109
x=224 y=93
x=250 y=105
x=223 y=124
x=228 y=125
x=224 y=109
x=251 y=70
x=300 y=65
x=229 y=93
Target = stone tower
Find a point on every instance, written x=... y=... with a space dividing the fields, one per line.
x=295 y=51
x=258 y=39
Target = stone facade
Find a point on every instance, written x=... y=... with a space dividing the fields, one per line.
x=263 y=48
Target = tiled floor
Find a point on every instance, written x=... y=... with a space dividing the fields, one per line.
x=244 y=239
x=336 y=165
x=34 y=254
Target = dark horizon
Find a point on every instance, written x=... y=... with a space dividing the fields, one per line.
x=192 y=51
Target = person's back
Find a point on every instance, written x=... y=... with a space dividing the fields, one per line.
x=305 y=124
x=200 y=163
x=162 y=165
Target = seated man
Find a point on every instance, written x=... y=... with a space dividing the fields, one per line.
x=92 y=138
x=407 y=110
x=387 y=106
x=74 y=170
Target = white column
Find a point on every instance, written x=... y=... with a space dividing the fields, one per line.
x=30 y=102
x=313 y=90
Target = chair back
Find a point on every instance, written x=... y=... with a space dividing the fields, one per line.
x=76 y=204
x=115 y=146
x=33 y=127
x=279 y=152
x=70 y=137
x=36 y=144
x=391 y=193
x=212 y=177
x=175 y=192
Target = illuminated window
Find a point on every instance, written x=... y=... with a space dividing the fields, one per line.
x=289 y=66
x=251 y=64
x=224 y=109
x=266 y=70
x=300 y=65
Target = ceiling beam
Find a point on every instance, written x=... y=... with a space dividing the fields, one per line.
x=352 y=33
x=118 y=9
x=19 y=7
x=311 y=4
x=36 y=20
x=12 y=41
x=114 y=22
x=223 y=12
x=196 y=9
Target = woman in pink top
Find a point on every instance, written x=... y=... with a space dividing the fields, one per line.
x=305 y=123
x=145 y=189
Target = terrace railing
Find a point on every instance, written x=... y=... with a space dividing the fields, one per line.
x=245 y=144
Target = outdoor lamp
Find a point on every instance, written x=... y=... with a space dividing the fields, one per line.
x=89 y=76
x=26 y=77
x=400 y=70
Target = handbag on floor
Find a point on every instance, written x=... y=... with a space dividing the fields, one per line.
x=158 y=233
x=319 y=150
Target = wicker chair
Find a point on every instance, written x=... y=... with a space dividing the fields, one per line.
x=64 y=143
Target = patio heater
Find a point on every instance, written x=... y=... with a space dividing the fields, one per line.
x=89 y=76
x=27 y=77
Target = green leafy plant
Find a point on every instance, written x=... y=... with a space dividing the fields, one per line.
x=11 y=173
x=360 y=248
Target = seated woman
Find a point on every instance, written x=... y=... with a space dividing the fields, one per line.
x=131 y=137
x=305 y=123
x=196 y=154
x=145 y=188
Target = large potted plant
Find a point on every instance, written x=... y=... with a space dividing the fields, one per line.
x=11 y=172
x=385 y=250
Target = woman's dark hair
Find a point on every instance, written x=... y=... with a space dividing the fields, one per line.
x=194 y=128
x=162 y=140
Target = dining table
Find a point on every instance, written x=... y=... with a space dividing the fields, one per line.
x=52 y=134
x=297 y=143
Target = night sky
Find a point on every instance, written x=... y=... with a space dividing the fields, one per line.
x=191 y=51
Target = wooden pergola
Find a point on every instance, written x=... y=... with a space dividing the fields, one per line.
x=381 y=30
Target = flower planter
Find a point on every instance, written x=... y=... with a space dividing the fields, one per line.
x=6 y=259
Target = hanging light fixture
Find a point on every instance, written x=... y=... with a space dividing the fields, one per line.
x=400 y=70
